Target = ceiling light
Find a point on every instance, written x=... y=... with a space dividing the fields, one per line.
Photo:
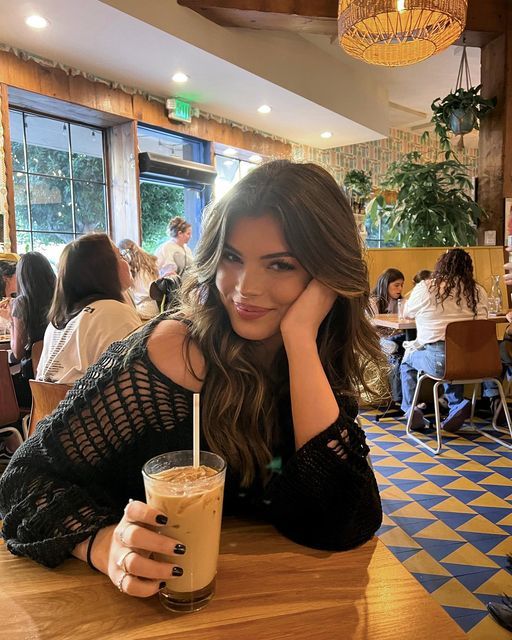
x=326 y=134
x=180 y=77
x=400 y=32
x=36 y=22
x=230 y=151
x=255 y=159
x=264 y=108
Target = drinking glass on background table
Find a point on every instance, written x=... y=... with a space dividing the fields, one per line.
x=192 y=500
x=400 y=309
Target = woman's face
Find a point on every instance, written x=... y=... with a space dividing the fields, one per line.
x=10 y=285
x=123 y=270
x=395 y=289
x=258 y=278
x=184 y=236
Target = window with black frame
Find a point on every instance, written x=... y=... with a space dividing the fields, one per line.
x=59 y=181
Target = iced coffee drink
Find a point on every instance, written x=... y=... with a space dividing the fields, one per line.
x=192 y=500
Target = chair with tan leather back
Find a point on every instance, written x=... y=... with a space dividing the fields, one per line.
x=471 y=356
x=45 y=398
x=9 y=409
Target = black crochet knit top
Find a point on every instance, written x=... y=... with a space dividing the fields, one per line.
x=77 y=472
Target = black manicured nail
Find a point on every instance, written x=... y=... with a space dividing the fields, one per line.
x=161 y=519
x=162 y=585
x=180 y=549
x=177 y=571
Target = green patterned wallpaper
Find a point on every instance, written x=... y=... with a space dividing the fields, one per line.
x=376 y=156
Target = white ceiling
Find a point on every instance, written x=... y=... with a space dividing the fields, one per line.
x=310 y=83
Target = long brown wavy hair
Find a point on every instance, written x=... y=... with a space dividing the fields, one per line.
x=453 y=276
x=138 y=259
x=239 y=399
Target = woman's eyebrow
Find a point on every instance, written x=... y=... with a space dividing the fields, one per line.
x=268 y=256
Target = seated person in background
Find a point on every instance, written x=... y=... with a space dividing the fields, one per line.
x=422 y=274
x=7 y=292
x=29 y=318
x=88 y=312
x=174 y=256
x=489 y=388
x=144 y=271
x=278 y=344
x=450 y=295
x=384 y=299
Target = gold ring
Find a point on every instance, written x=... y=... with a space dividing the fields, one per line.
x=121 y=562
x=120 y=583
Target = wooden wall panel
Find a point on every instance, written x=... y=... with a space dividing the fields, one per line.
x=4 y=115
x=124 y=183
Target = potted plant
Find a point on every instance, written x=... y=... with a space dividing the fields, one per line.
x=433 y=207
x=459 y=113
x=358 y=184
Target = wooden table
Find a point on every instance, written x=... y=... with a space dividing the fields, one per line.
x=391 y=321
x=267 y=589
x=5 y=342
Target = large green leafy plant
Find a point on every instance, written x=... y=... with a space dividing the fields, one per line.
x=433 y=207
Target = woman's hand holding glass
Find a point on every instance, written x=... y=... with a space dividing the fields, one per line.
x=124 y=551
x=307 y=313
x=5 y=308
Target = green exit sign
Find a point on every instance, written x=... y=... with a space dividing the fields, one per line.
x=179 y=110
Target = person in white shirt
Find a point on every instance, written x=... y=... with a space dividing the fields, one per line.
x=450 y=295
x=88 y=311
x=174 y=256
x=144 y=271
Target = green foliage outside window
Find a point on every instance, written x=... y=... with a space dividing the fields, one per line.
x=159 y=203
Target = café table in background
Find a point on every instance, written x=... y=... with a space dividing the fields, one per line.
x=268 y=588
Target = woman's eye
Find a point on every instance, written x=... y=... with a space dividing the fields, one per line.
x=281 y=265
x=230 y=257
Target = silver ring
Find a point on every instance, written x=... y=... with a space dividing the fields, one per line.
x=120 y=583
x=121 y=535
x=121 y=562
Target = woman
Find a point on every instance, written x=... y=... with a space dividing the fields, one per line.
x=89 y=311
x=450 y=295
x=144 y=271
x=7 y=292
x=384 y=299
x=273 y=332
x=174 y=256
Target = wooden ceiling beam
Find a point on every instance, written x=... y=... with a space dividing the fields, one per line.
x=486 y=19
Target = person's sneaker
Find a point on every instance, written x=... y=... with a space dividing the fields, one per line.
x=457 y=416
x=419 y=422
x=5 y=453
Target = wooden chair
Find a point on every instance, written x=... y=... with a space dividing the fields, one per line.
x=9 y=409
x=45 y=397
x=471 y=356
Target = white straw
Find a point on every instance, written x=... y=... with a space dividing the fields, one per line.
x=195 y=432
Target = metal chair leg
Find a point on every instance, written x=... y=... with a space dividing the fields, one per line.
x=408 y=430
x=502 y=403
x=473 y=405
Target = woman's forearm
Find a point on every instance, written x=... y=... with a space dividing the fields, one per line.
x=100 y=549
x=314 y=406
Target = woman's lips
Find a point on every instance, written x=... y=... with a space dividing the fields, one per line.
x=248 y=312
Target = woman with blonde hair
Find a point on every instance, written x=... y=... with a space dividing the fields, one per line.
x=273 y=332
x=144 y=271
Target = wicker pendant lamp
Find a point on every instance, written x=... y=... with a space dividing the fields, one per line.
x=399 y=32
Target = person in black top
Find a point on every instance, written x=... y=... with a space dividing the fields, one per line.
x=272 y=329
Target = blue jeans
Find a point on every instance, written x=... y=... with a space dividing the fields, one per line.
x=489 y=388
x=429 y=359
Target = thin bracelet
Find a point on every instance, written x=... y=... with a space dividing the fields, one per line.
x=89 y=549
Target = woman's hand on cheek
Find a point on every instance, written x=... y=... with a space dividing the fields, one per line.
x=306 y=314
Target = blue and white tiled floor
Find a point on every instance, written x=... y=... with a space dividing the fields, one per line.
x=448 y=518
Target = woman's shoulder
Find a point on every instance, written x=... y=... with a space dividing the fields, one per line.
x=175 y=355
x=17 y=306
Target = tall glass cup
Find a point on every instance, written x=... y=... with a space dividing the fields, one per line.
x=192 y=500
x=400 y=306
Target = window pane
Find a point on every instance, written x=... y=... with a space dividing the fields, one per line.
x=159 y=203
x=87 y=153
x=16 y=130
x=20 y=201
x=90 y=212
x=246 y=167
x=23 y=242
x=47 y=146
x=227 y=175
x=166 y=144
x=51 y=245
x=50 y=202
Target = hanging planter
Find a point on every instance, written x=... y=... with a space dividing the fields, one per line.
x=460 y=111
